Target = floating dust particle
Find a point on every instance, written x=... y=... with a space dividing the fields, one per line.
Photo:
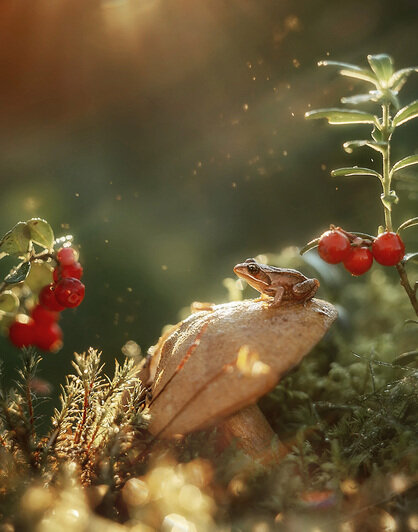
x=129 y=289
x=253 y=78
x=323 y=166
x=77 y=194
x=118 y=197
x=131 y=349
x=292 y=23
x=293 y=114
x=164 y=267
x=284 y=153
x=106 y=241
x=249 y=65
x=288 y=86
x=327 y=54
x=296 y=63
x=245 y=107
x=31 y=204
x=233 y=184
x=199 y=164
x=65 y=226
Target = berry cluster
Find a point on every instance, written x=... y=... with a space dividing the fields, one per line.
x=357 y=253
x=67 y=291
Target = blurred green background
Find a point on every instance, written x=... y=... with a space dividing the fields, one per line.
x=169 y=138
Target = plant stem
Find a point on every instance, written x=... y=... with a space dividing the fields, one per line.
x=386 y=132
x=386 y=165
x=408 y=288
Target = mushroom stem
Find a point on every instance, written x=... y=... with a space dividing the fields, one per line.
x=253 y=434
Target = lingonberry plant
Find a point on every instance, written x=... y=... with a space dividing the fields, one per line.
x=357 y=250
x=34 y=293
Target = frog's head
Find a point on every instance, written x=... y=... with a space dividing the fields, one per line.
x=254 y=273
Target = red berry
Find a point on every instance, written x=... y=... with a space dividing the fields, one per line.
x=69 y=292
x=42 y=315
x=359 y=260
x=22 y=332
x=74 y=270
x=66 y=256
x=48 y=336
x=47 y=298
x=333 y=246
x=388 y=249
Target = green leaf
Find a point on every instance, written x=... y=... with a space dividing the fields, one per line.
x=39 y=276
x=343 y=116
x=399 y=78
x=9 y=302
x=403 y=163
x=355 y=170
x=382 y=66
x=41 y=232
x=406 y=113
x=310 y=245
x=352 y=71
x=372 y=96
x=19 y=274
x=410 y=257
x=350 y=144
x=17 y=241
x=408 y=223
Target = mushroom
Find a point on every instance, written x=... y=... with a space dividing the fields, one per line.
x=212 y=368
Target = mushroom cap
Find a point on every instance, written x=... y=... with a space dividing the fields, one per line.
x=216 y=362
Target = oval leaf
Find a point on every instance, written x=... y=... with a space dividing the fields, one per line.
x=352 y=71
x=355 y=170
x=405 y=114
x=399 y=78
x=343 y=116
x=9 y=302
x=408 y=223
x=19 y=274
x=403 y=163
x=382 y=66
x=350 y=144
x=372 y=96
x=41 y=232
x=39 y=276
x=17 y=241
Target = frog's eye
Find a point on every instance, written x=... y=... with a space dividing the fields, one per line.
x=253 y=269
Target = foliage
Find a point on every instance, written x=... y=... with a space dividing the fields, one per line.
x=386 y=86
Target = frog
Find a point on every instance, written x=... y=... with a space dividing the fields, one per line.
x=283 y=284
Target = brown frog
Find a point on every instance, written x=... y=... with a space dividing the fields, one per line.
x=283 y=284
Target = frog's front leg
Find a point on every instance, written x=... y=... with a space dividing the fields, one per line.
x=278 y=296
x=305 y=289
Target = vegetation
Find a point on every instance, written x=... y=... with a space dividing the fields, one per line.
x=347 y=416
